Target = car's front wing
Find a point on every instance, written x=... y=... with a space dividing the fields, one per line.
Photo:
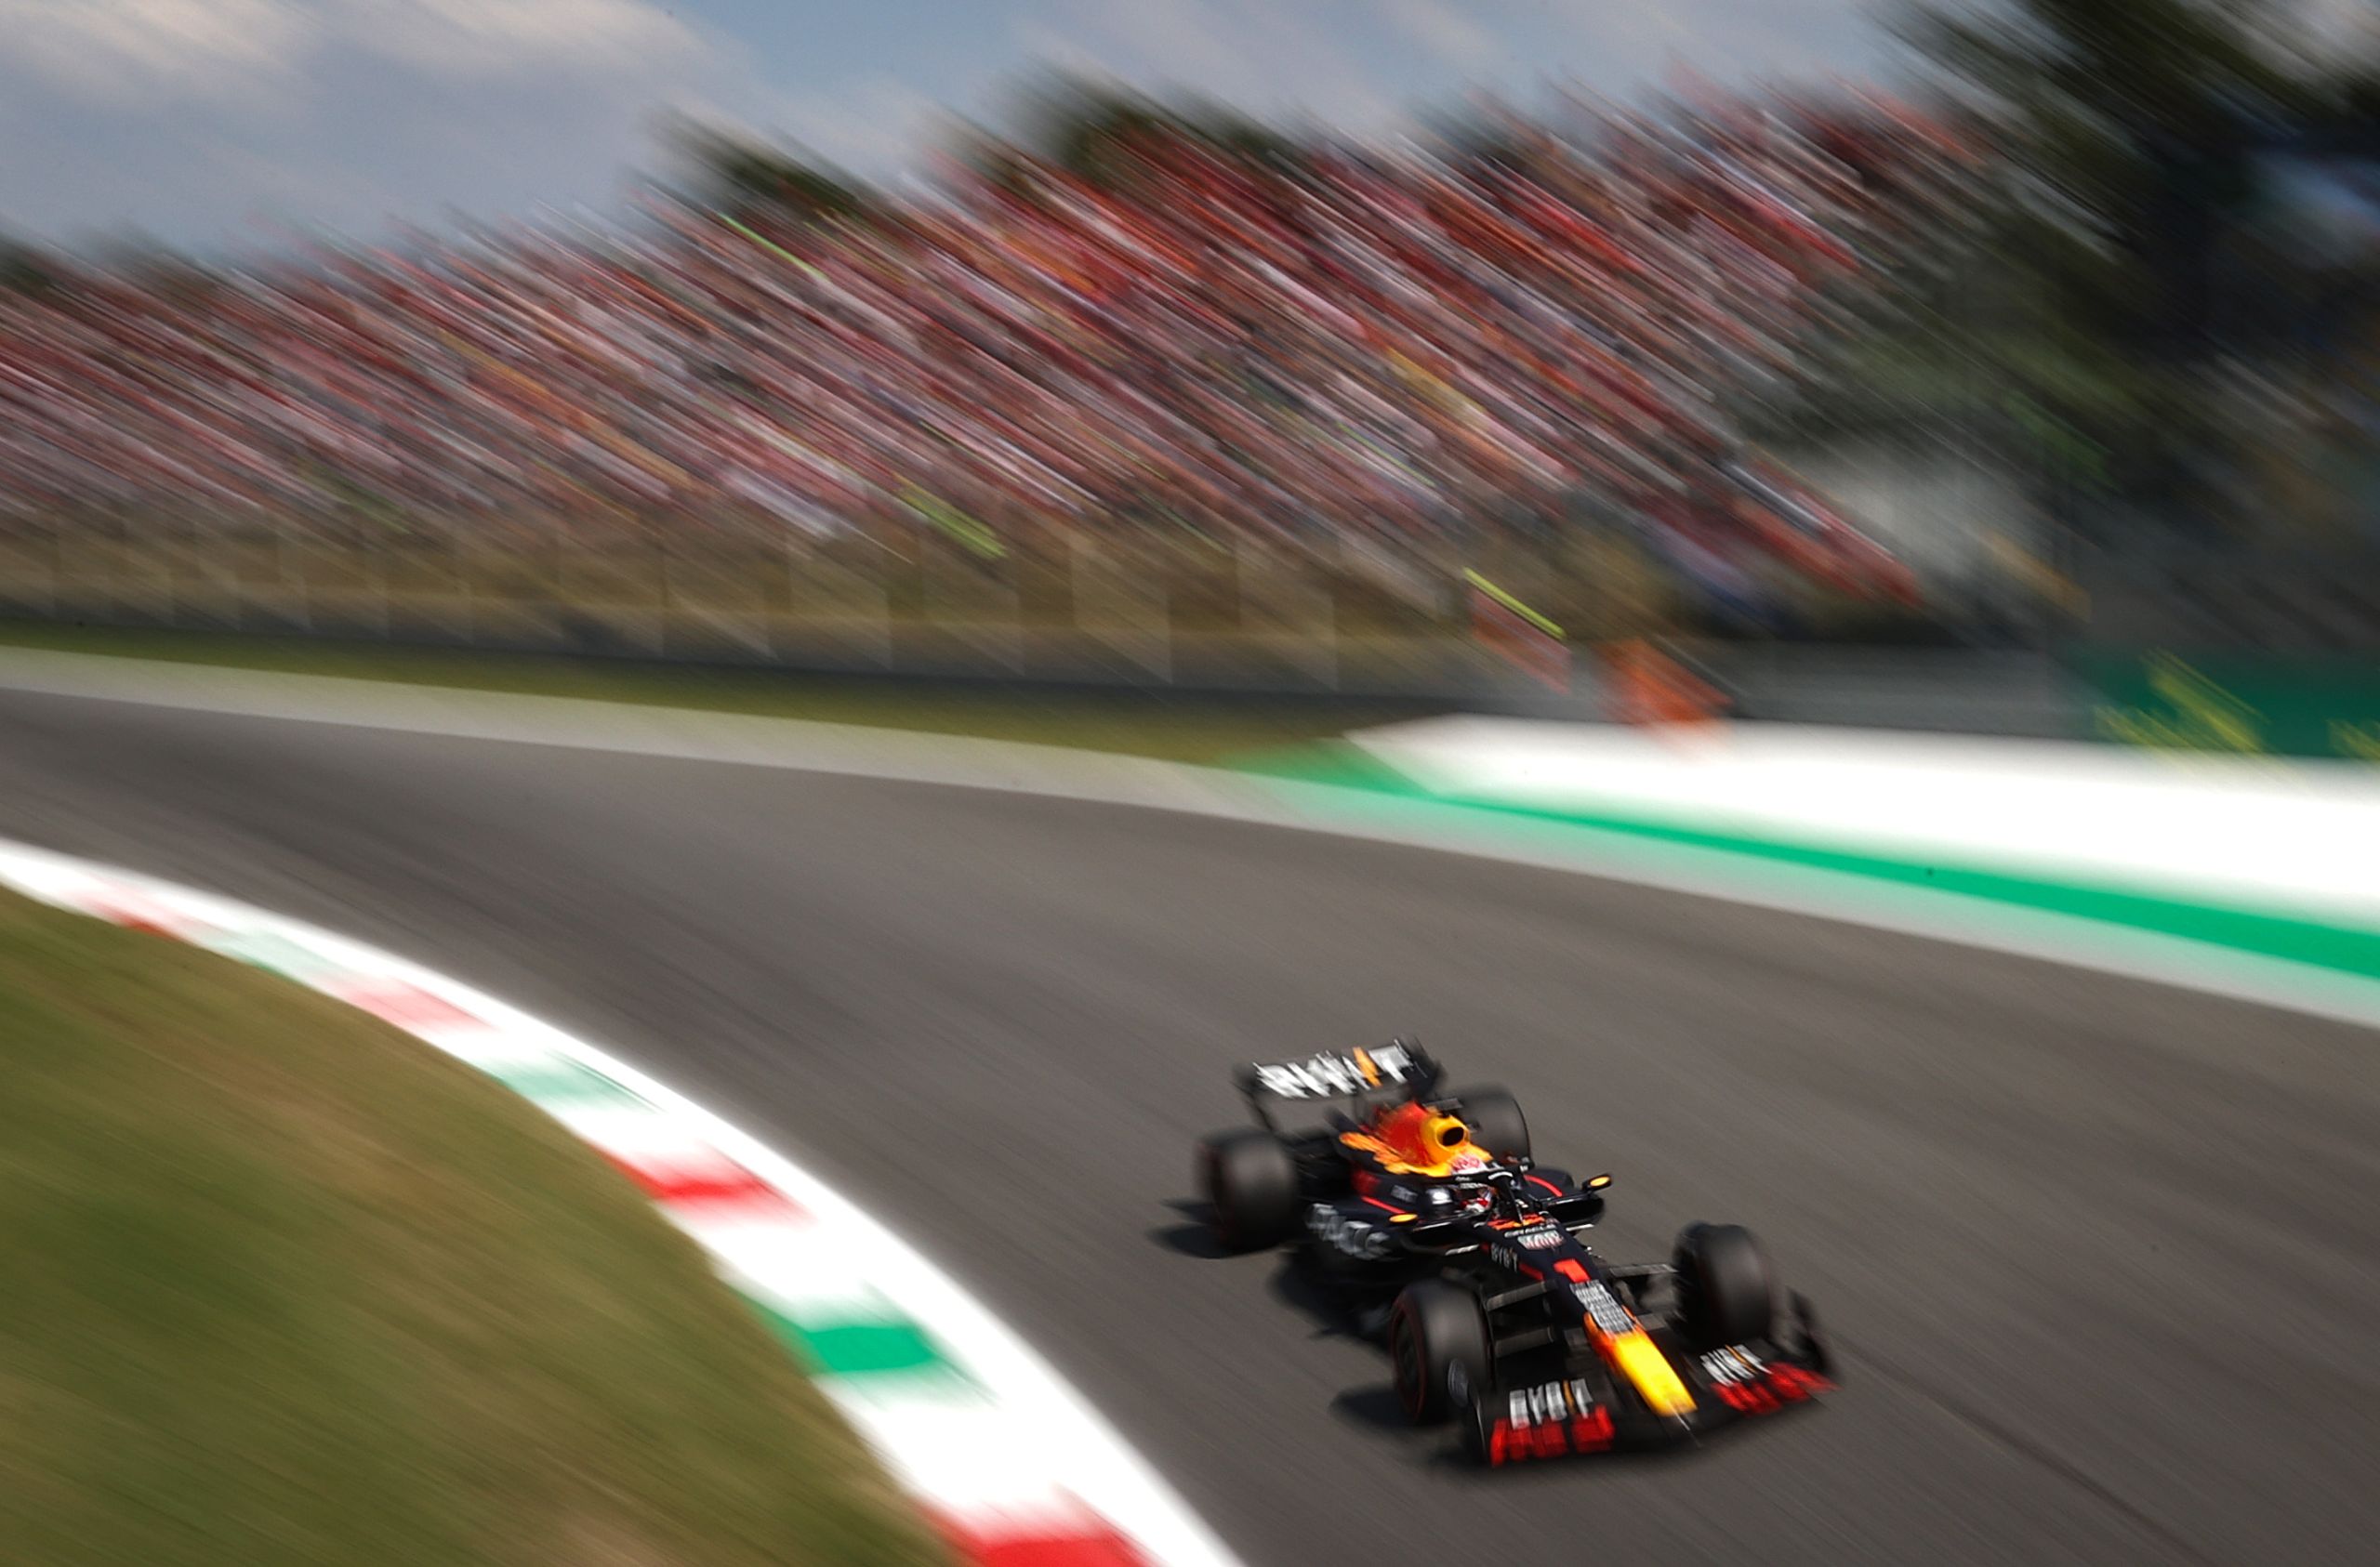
x=1589 y=1410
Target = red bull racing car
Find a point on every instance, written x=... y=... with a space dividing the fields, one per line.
x=1424 y=1214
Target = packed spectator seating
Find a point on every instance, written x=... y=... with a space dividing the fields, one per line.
x=1398 y=345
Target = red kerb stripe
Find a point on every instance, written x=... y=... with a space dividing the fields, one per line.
x=393 y=1001
x=1093 y=1545
x=135 y=913
x=714 y=1180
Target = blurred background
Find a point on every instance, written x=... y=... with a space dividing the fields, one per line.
x=1300 y=389
x=2035 y=336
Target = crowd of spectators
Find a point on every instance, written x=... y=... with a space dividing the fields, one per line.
x=1393 y=346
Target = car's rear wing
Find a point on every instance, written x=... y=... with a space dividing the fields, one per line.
x=1350 y=1082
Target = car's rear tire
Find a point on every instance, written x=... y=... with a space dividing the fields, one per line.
x=1439 y=1353
x=1725 y=1293
x=1496 y=1122
x=1251 y=1184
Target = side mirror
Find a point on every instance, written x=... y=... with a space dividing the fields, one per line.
x=1577 y=1208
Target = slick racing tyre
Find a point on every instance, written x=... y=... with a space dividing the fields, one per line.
x=1251 y=1184
x=1439 y=1354
x=1810 y=1341
x=1496 y=1122
x=1725 y=1293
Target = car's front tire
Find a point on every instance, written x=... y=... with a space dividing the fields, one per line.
x=1251 y=1184
x=1439 y=1353
x=1725 y=1293
x=1810 y=1341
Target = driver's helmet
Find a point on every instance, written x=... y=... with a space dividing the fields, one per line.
x=1430 y=1142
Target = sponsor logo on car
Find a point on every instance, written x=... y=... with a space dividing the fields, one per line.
x=1608 y=1315
x=1549 y=1402
x=1734 y=1363
x=1547 y=1421
x=1327 y=1075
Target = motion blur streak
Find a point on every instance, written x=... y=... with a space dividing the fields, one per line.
x=1332 y=353
x=1006 y=1459
x=2038 y=395
x=2026 y=1193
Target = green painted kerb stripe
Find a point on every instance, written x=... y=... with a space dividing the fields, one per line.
x=858 y=1349
x=2345 y=949
x=559 y=1080
x=265 y=950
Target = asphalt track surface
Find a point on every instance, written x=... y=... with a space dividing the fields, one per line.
x=2101 y=1257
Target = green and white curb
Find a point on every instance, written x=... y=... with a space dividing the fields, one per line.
x=2240 y=876
x=1012 y=1466
x=2300 y=838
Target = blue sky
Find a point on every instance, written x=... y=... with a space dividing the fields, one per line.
x=223 y=121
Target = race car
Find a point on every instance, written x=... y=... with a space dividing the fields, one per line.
x=1424 y=1214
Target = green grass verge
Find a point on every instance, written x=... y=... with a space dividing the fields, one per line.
x=282 y=1288
x=1169 y=726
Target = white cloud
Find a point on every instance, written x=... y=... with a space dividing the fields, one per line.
x=466 y=36
x=132 y=49
x=203 y=117
x=135 y=50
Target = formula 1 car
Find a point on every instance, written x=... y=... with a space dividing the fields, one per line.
x=1424 y=1214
